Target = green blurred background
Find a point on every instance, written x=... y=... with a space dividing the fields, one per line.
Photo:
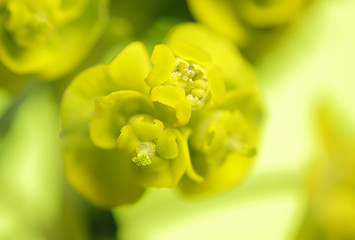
x=312 y=63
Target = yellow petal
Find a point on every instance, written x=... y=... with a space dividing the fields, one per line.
x=174 y=98
x=167 y=95
x=147 y=129
x=164 y=63
x=167 y=145
x=127 y=141
x=131 y=66
x=183 y=113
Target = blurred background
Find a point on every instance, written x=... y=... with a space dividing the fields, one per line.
x=302 y=184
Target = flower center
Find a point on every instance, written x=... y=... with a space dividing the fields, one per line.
x=191 y=78
x=143 y=153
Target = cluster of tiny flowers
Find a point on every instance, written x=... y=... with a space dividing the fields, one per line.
x=191 y=78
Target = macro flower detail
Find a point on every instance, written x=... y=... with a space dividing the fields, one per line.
x=184 y=81
x=125 y=120
x=38 y=36
x=222 y=143
x=193 y=80
x=158 y=126
x=108 y=120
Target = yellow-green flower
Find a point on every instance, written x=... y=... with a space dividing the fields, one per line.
x=220 y=52
x=128 y=126
x=126 y=120
x=183 y=79
x=252 y=25
x=115 y=146
x=49 y=38
x=223 y=142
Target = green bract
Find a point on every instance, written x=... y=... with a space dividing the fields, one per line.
x=128 y=125
x=49 y=38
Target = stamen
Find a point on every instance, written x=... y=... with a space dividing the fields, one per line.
x=144 y=153
x=191 y=78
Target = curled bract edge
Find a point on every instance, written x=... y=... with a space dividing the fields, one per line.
x=143 y=122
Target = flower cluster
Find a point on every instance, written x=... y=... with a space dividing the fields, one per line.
x=191 y=120
x=36 y=37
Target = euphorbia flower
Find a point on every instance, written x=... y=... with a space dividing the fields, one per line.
x=38 y=36
x=126 y=120
x=183 y=79
x=221 y=53
x=222 y=143
x=128 y=126
x=126 y=148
